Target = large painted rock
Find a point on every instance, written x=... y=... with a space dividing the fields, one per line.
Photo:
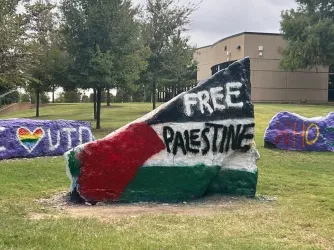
x=25 y=138
x=289 y=131
x=199 y=142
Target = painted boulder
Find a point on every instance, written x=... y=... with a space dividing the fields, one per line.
x=25 y=138
x=200 y=142
x=289 y=131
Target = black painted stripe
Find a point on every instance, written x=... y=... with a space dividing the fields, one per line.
x=236 y=72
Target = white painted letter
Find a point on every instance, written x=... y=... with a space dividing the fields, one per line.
x=54 y=147
x=215 y=95
x=2 y=148
x=204 y=98
x=69 y=131
x=189 y=99
x=81 y=129
x=236 y=93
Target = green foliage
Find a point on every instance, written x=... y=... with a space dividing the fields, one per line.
x=103 y=97
x=13 y=97
x=100 y=69
x=25 y=98
x=141 y=93
x=43 y=97
x=13 y=52
x=179 y=69
x=164 y=24
x=309 y=31
x=72 y=97
x=84 y=99
x=103 y=38
x=124 y=95
x=41 y=45
x=60 y=98
x=91 y=97
x=42 y=27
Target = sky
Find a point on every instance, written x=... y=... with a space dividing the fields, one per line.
x=216 y=19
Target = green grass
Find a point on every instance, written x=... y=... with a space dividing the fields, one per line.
x=112 y=117
x=301 y=218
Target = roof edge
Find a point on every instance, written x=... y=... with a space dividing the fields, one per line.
x=239 y=34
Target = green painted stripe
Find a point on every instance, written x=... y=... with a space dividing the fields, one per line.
x=29 y=140
x=173 y=184
x=73 y=164
x=169 y=183
x=234 y=182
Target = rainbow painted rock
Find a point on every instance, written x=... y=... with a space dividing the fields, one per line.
x=25 y=138
x=198 y=143
x=289 y=131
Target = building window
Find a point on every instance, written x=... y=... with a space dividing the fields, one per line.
x=225 y=49
x=218 y=67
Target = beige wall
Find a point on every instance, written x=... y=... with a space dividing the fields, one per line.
x=272 y=44
x=216 y=54
x=203 y=58
x=271 y=86
x=219 y=54
x=269 y=82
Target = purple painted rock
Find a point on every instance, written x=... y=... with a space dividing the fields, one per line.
x=290 y=131
x=25 y=138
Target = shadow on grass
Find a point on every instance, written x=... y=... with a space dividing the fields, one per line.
x=112 y=106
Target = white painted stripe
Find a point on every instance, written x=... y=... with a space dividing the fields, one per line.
x=230 y=160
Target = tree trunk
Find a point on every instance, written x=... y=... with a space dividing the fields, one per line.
x=53 y=93
x=173 y=91
x=154 y=87
x=94 y=100
x=98 y=109
x=37 y=102
x=108 y=97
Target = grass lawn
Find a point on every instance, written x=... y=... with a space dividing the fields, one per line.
x=302 y=217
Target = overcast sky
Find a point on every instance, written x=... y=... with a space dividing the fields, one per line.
x=216 y=19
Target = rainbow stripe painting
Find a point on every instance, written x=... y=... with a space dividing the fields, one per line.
x=29 y=140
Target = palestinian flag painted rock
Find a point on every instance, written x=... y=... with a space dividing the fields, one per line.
x=200 y=142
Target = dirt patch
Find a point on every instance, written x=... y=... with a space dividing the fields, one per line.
x=107 y=211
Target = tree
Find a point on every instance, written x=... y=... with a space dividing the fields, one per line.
x=12 y=44
x=162 y=21
x=179 y=68
x=103 y=37
x=59 y=65
x=42 y=25
x=84 y=99
x=25 y=98
x=72 y=96
x=309 y=31
x=11 y=97
x=60 y=98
